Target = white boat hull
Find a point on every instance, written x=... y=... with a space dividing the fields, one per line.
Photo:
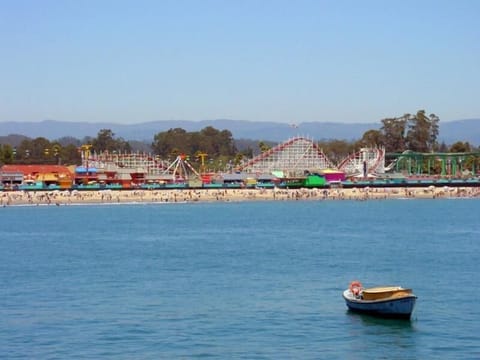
x=395 y=307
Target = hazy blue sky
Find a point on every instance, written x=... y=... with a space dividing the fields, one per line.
x=261 y=60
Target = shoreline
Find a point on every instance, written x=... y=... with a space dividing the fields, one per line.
x=67 y=197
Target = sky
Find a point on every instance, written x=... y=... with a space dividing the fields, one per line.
x=259 y=60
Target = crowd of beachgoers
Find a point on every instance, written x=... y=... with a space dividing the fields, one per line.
x=66 y=197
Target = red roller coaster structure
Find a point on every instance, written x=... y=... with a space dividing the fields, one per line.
x=293 y=157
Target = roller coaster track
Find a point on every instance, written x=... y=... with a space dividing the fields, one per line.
x=293 y=156
x=374 y=158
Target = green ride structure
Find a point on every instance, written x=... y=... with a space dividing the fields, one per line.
x=452 y=165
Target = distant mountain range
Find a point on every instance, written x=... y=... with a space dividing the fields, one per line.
x=450 y=132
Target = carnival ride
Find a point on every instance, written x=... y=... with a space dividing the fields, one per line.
x=292 y=157
x=181 y=170
x=367 y=162
x=152 y=167
x=112 y=161
x=299 y=154
x=444 y=164
x=288 y=164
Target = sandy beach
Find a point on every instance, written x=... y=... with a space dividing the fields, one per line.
x=66 y=197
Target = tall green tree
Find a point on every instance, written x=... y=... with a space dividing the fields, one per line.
x=6 y=154
x=434 y=131
x=70 y=155
x=394 y=133
x=460 y=147
x=106 y=141
x=38 y=150
x=371 y=138
x=263 y=146
x=337 y=150
x=209 y=140
x=174 y=140
x=422 y=132
x=227 y=143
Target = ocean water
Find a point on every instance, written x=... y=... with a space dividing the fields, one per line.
x=253 y=280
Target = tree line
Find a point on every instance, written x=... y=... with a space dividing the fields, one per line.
x=416 y=132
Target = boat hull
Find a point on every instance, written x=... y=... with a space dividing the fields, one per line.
x=392 y=307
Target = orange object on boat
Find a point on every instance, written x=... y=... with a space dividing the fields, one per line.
x=355 y=287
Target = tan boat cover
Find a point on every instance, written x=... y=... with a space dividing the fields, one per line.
x=383 y=292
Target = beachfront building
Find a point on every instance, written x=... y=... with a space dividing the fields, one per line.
x=36 y=177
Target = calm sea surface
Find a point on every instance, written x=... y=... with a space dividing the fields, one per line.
x=257 y=280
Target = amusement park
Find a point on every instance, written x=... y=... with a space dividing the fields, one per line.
x=298 y=162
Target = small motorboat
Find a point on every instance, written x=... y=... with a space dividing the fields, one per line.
x=384 y=301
